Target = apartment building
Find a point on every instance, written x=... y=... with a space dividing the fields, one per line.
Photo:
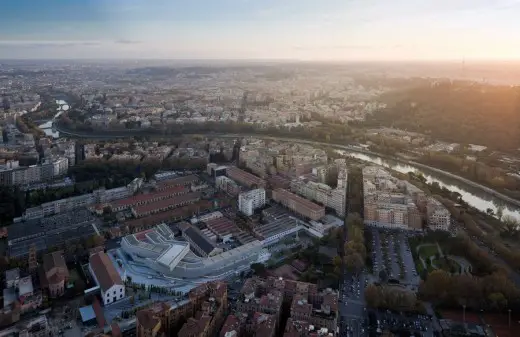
x=245 y=178
x=438 y=216
x=389 y=202
x=250 y=201
x=306 y=303
x=149 y=324
x=227 y=185
x=298 y=204
x=209 y=299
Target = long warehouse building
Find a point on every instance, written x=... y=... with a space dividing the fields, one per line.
x=298 y=204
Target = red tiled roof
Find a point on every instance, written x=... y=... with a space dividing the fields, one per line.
x=100 y=317
x=243 y=176
x=284 y=194
x=157 y=205
x=180 y=212
x=105 y=272
x=177 y=181
x=145 y=198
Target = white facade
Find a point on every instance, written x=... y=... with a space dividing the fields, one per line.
x=248 y=202
x=113 y=294
x=438 y=216
x=61 y=166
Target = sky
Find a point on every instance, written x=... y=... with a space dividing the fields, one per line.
x=322 y=30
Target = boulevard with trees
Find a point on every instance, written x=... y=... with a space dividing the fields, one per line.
x=354 y=249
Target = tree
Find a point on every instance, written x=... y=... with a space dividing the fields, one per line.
x=258 y=268
x=354 y=262
x=337 y=263
x=510 y=224
x=500 y=211
x=383 y=276
x=355 y=247
x=372 y=296
x=497 y=301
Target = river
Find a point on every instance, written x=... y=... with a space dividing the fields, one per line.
x=47 y=126
x=473 y=196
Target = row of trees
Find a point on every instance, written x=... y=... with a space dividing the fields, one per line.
x=390 y=297
x=494 y=291
x=463 y=214
x=355 y=251
x=492 y=176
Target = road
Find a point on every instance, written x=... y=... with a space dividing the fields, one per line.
x=337 y=146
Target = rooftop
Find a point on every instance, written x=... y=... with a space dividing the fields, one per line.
x=105 y=272
x=284 y=194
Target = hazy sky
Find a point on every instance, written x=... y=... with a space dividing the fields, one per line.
x=258 y=29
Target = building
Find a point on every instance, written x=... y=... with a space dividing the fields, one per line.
x=145 y=199
x=307 y=305
x=50 y=231
x=245 y=178
x=227 y=185
x=22 y=295
x=147 y=247
x=106 y=277
x=438 y=216
x=32 y=327
x=54 y=274
x=390 y=202
x=148 y=324
x=149 y=206
x=250 y=201
x=298 y=204
x=215 y=170
x=204 y=309
x=199 y=243
x=257 y=297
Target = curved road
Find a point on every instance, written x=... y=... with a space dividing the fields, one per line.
x=336 y=146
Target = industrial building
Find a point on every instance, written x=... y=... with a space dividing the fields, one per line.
x=298 y=204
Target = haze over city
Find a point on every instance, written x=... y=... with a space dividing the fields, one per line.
x=268 y=168
x=271 y=29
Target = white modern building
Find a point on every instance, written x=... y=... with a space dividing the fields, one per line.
x=107 y=278
x=161 y=251
x=250 y=201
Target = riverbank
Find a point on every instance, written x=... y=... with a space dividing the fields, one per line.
x=350 y=148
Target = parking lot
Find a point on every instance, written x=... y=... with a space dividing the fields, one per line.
x=352 y=305
x=391 y=252
x=418 y=325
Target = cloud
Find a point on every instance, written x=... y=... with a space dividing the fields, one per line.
x=123 y=41
x=338 y=47
x=39 y=43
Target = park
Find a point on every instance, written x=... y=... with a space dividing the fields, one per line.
x=430 y=254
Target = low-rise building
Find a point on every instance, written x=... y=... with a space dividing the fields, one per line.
x=54 y=274
x=107 y=278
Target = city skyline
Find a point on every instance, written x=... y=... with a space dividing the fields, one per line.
x=242 y=29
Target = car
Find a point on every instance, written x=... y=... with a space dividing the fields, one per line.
x=150 y=277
